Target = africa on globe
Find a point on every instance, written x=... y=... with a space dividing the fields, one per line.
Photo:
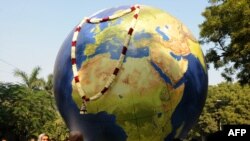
x=130 y=73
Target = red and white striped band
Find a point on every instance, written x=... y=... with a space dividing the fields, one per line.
x=81 y=91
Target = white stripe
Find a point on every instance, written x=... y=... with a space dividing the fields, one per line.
x=95 y=20
x=137 y=10
x=78 y=85
x=126 y=42
x=128 y=10
x=80 y=90
x=111 y=79
x=95 y=97
x=119 y=14
x=73 y=52
x=122 y=56
x=119 y=64
x=133 y=23
x=75 y=70
x=112 y=17
x=75 y=36
x=82 y=93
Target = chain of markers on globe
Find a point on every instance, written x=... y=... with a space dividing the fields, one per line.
x=82 y=93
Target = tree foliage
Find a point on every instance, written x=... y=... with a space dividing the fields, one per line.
x=226 y=103
x=30 y=81
x=48 y=85
x=28 y=112
x=227 y=26
x=33 y=82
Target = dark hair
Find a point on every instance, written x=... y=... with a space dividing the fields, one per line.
x=75 y=136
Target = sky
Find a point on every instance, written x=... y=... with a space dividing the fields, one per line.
x=32 y=31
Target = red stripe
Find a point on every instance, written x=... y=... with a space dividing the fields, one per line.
x=116 y=71
x=85 y=98
x=73 y=43
x=130 y=31
x=73 y=61
x=104 y=90
x=132 y=8
x=78 y=29
x=88 y=20
x=124 y=50
x=136 y=16
x=76 y=79
x=105 y=19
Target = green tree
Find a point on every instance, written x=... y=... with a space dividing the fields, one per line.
x=48 y=85
x=227 y=27
x=56 y=128
x=30 y=81
x=226 y=103
x=26 y=112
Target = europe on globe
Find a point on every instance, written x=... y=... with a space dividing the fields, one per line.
x=130 y=73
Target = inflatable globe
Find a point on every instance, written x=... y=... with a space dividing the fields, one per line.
x=130 y=73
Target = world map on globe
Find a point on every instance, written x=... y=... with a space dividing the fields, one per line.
x=161 y=86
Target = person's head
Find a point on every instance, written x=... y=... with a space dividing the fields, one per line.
x=43 y=137
x=32 y=138
x=3 y=139
x=75 y=136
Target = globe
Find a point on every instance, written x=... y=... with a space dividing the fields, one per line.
x=130 y=73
